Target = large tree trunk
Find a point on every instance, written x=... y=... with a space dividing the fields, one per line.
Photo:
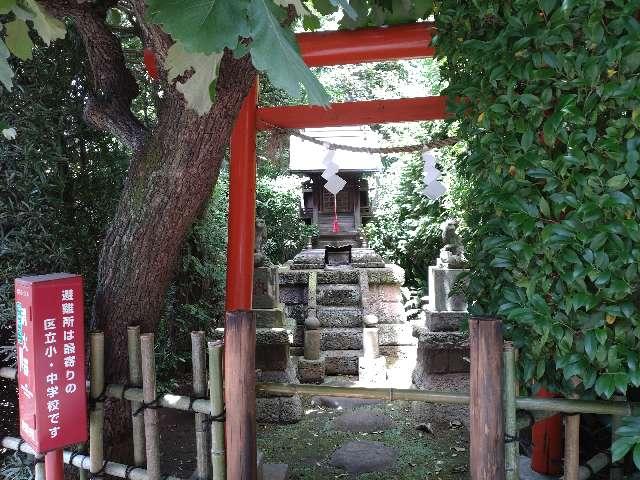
x=170 y=179
x=168 y=185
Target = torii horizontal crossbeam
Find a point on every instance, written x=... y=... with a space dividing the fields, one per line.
x=367 y=45
x=353 y=113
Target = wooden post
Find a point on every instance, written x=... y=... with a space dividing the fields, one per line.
x=485 y=408
x=572 y=447
x=199 y=364
x=240 y=395
x=218 y=463
x=135 y=380
x=512 y=446
x=96 y=415
x=151 y=434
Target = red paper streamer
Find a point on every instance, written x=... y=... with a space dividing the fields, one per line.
x=150 y=63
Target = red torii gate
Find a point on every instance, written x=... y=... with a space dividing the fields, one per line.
x=318 y=49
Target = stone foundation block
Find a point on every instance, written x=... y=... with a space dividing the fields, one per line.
x=293 y=294
x=279 y=409
x=396 y=334
x=341 y=362
x=341 y=338
x=272 y=357
x=338 y=276
x=339 y=295
x=340 y=316
x=311 y=371
x=390 y=275
x=273 y=376
x=444 y=321
x=388 y=312
x=268 y=317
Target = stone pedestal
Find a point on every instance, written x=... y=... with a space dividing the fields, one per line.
x=311 y=371
x=442 y=348
x=272 y=349
x=441 y=283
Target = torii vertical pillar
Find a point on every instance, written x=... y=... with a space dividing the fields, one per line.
x=239 y=348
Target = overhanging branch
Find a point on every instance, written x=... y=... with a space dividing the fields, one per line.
x=112 y=86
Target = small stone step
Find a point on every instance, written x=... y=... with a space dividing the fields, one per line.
x=338 y=276
x=341 y=362
x=340 y=316
x=341 y=338
x=341 y=295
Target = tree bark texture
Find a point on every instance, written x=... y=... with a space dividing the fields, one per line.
x=171 y=176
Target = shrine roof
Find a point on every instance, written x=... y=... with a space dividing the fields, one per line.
x=308 y=157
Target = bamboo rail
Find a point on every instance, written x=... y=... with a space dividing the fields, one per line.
x=556 y=405
x=83 y=461
x=553 y=405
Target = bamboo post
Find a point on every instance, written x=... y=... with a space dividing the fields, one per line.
x=485 y=405
x=96 y=415
x=218 y=463
x=151 y=433
x=616 y=471
x=199 y=367
x=572 y=447
x=135 y=380
x=511 y=446
x=240 y=394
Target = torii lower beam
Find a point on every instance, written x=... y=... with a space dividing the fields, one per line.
x=353 y=113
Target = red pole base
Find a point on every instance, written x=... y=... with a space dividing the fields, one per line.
x=54 y=465
x=546 y=438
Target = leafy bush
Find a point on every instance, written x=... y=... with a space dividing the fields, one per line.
x=59 y=179
x=552 y=119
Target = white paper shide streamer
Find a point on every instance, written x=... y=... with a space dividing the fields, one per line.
x=434 y=188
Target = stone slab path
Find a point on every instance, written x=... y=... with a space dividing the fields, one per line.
x=362 y=456
x=342 y=403
x=363 y=421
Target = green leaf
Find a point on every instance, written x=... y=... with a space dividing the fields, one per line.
x=6 y=6
x=606 y=385
x=297 y=4
x=205 y=71
x=621 y=447
x=274 y=50
x=6 y=73
x=48 y=28
x=544 y=207
x=636 y=455
x=17 y=39
x=202 y=26
x=618 y=182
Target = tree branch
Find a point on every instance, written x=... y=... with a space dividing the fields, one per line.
x=113 y=87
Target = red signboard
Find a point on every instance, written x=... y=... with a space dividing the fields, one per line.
x=51 y=361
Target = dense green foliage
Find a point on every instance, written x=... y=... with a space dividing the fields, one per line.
x=60 y=180
x=553 y=125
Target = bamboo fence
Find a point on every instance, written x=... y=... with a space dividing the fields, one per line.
x=519 y=412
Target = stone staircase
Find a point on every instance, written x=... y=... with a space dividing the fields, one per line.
x=339 y=310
